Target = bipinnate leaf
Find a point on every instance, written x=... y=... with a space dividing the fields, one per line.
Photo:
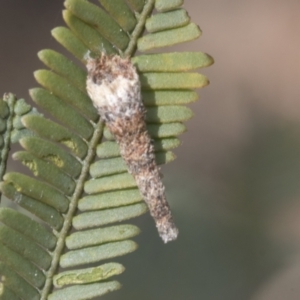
x=79 y=189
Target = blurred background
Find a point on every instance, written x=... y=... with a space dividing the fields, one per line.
x=234 y=188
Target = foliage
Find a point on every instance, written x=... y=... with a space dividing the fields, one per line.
x=69 y=189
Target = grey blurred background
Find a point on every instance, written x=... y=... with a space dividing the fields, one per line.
x=234 y=188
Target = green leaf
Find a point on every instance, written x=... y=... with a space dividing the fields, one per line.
x=66 y=92
x=115 y=182
x=99 y=236
x=78 y=188
x=16 y=283
x=38 y=190
x=52 y=153
x=46 y=171
x=28 y=227
x=103 y=217
x=109 y=199
x=173 y=19
x=57 y=133
x=87 y=34
x=4 y=110
x=95 y=16
x=26 y=269
x=172 y=62
x=88 y=275
x=6 y=120
x=71 y=42
x=83 y=292
x=169 y=37
x=168 y=114
x=19 y=243
x=7 y=294
x=119 y=10
x=165 y=5
x=62 y=112
x=96 y=253
x=169 y=97
x=43 y=211
x=165 y=81
x=64 y=67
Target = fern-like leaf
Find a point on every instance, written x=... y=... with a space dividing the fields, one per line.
x=61 y=151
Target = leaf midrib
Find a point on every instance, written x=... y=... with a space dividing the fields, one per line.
x=137 y=31
x=72 y=208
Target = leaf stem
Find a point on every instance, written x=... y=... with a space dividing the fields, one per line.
x=72 y=208
x=136 y=33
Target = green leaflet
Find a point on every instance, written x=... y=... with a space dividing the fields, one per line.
x=108 y=183
x=4 y=111
x=96 y=253
x=102 y=217
x=88 y=275
x=71 y=42
x=169 y=37
x=43 y=211
x=62 y=112
x=13 y=110
x=17 y=284
x=66 y=92
x=168 y=114
x=121 y=13
x=38 y=190
x=109 y=199
x=71 y=166
x=172 y=19
x=7 y=294
x=2 y=125
x=95 y=16
x=6 y=130
x=165 y=81
x=88 y=35
x=165 y=5
x=21 y=107
x=83 y=292
x=64 y=67
x=28 y=227
x=50 y=130
x=25 y=268
x=21 y=244
x=99 y=236
x=53 y=153
x=169 y=97
x=172 y=62
x=46 y=171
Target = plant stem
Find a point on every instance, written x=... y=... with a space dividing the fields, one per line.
x=137 y=32
x=72 y=208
